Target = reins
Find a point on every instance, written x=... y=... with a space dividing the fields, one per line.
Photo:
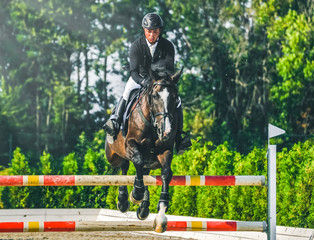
x=139 y=99
x=152 y=122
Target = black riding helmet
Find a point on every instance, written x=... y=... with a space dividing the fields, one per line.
x=152 y=21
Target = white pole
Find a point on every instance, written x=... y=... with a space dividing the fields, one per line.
x=271 y=230
x=273 y=131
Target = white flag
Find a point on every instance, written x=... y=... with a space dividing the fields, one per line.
x=274 y=131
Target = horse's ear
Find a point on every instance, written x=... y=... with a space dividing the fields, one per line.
x=175 y=78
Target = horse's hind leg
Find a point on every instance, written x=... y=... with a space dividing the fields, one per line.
x=143 y=210
x=123 y=204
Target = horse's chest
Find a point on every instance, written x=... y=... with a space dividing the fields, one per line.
x=150 y=158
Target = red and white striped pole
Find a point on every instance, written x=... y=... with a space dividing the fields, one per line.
x=115 y=180
x=72 y=226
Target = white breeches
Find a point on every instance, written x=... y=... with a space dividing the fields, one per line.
x=130 y=85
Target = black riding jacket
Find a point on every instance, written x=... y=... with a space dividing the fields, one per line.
x=141 y=60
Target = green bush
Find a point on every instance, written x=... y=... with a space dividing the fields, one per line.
x=248 y=203
x=295 y=174
x=18 y=197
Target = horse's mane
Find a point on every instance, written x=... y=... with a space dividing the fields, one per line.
x=162 y=69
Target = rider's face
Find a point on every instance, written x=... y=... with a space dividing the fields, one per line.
x=152 y=35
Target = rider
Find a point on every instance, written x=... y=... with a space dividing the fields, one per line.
x=145 y=51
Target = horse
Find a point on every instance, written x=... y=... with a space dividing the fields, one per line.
x=148 y=143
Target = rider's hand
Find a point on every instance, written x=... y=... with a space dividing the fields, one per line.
x=145 y=82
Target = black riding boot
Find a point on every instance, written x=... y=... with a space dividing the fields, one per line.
x=183 y=141
x=112 y=126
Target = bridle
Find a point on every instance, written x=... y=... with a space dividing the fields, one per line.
x=164 y=115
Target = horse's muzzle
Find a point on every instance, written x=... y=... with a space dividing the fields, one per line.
x=164 y=126
x=163 y=135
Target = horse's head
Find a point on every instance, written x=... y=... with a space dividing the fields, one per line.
x=164 y=101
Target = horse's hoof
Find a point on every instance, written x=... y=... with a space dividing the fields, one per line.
x=160 y=225
x=135 y=201
x=123 y=207
x=142 y=212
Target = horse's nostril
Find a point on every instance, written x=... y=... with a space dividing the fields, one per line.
x=168 y=131
x=166 y=134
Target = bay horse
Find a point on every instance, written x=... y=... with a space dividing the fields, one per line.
x=148 y=143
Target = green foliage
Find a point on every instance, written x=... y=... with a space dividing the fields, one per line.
x=219 y=162
x=45 y=167
x=246 y=63
x=69 y=196
x=112 y=197
x=295 y=66
x=223 y=90
x=295 y=185
x=94 y=165
x=70 y=165
x=18 y=197
x=247 y=203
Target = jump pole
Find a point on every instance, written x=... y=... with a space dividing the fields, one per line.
x=73 y=226
x=273 y=131
x=114 y=180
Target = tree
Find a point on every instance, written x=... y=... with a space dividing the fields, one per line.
x=292 y=94
x=225 y=87
x=30 y=86
x=289 y=28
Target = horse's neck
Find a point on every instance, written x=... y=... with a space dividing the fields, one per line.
x=145 y=106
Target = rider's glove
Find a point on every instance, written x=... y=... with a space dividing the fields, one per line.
x=145 y=82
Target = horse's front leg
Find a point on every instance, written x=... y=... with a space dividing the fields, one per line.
x=160 y=223
x=143 y=210
x=137 y=194
x=123 y=202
